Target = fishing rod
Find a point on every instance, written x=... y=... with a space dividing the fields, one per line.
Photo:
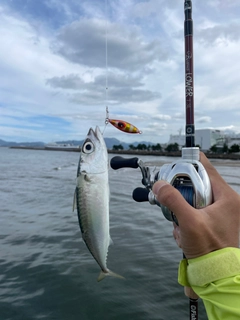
x=187 y=174
x=189 y=79
x=189 y=127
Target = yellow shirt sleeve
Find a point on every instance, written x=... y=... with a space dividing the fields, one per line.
x=215 y=278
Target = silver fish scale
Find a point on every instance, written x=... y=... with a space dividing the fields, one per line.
x=93 y=207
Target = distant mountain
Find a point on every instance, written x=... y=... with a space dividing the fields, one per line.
x=4 y=143
x=110 y=142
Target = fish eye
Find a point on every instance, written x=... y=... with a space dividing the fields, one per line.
x=88 y=147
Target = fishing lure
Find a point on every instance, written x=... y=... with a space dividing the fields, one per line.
x=122 y=125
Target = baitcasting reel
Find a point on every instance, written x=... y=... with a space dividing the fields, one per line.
x=187 y=175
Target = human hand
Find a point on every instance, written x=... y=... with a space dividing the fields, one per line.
x=202 y=231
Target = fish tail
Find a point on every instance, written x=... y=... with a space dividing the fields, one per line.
x=103 y=274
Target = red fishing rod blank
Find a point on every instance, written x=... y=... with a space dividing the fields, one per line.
x=189 y=76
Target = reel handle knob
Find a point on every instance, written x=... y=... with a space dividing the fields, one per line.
x=140 y=194
x=120 y=162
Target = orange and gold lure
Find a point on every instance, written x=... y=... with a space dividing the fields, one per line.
x=122 y=125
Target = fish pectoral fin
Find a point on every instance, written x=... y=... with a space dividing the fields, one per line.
x=74 y=199
x=102 y=275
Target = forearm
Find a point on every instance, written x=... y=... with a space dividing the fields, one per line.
x=215 y=277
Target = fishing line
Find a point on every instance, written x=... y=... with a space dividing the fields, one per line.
x=106 y=51
x=121 y=125
x=106 y=64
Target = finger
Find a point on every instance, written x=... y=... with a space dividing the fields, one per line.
x=176 y=235
x=219 y=185
x=170 y=197
x=212 y=172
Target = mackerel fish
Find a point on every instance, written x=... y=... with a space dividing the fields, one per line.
x=92 y=199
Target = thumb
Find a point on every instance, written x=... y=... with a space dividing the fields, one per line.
x=170 y=197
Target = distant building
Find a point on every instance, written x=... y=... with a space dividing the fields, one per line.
x=205 y=138
x=178 y=138
x=232 y=139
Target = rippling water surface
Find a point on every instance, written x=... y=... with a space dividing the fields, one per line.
x=46 y=271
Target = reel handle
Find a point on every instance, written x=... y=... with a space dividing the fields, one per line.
x=140 y=194
x=120 y=162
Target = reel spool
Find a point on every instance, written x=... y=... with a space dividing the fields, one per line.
x=187 y=191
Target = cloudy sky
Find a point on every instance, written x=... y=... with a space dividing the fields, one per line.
x=53 y=69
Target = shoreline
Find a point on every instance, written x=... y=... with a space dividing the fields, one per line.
x=134 y=152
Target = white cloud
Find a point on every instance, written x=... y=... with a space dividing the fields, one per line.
x=204 y=119
x=122 y=88
x=218 y=34
x=84 y=42
x=162 y=117
x=57 y=67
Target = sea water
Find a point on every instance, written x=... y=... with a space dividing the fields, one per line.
x=46 y=271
